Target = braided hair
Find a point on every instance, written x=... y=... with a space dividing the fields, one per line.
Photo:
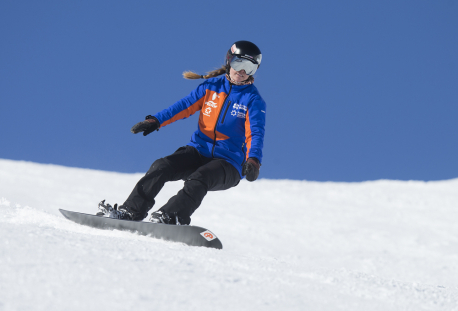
x=211 y=74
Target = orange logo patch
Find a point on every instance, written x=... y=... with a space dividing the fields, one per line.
x=208 y=235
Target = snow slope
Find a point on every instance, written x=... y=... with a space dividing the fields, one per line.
x=288 y=245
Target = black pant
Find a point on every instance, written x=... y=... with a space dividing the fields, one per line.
x=201 y=174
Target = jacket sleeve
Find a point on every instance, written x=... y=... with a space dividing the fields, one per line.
x=255 y=128
x=183 y=108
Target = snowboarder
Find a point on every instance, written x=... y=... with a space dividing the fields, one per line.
x=226 y=146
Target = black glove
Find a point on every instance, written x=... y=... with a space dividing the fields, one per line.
x=151 y=124
x=251 y=169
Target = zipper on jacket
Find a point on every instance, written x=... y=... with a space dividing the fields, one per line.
x=225 y=112
x=244 y=154
x=217 y=119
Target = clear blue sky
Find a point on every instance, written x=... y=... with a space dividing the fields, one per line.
x=355 y=90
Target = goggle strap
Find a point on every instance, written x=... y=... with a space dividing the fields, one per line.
x=246 y=57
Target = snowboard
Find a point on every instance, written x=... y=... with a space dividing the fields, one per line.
x=189 y=235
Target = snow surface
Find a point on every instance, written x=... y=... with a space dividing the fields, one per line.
x=288 y=245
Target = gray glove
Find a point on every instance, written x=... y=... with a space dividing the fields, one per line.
x=150 y=125
x=251 y=169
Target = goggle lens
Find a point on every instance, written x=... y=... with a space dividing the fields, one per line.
x=238 y=63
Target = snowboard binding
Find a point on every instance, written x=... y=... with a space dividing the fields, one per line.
x=106 y=210
x=160 y=217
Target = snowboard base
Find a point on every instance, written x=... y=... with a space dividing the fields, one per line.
x=189 y=235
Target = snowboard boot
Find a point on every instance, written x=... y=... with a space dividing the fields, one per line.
x=121 y=212
x=159 y=217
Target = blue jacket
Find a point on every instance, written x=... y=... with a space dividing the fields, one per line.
x=231 y=122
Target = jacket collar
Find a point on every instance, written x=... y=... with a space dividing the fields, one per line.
x=248 y=81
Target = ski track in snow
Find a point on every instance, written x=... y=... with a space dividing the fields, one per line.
x=288 y=245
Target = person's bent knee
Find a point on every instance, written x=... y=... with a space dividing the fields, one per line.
x=160 y=165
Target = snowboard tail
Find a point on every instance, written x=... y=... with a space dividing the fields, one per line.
x=189 y=235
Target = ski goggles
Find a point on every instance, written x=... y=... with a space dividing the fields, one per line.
x=238 y=63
